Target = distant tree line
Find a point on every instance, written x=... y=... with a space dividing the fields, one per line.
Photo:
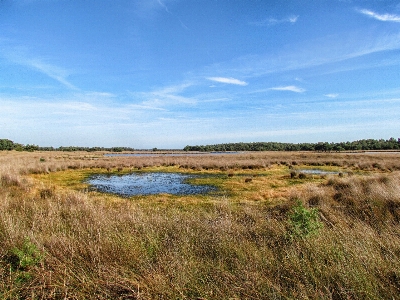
x=6 y=144
x=367 y=144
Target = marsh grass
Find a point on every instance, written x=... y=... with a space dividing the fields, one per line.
x=86 y=245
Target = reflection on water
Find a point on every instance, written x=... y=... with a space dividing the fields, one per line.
x=148 y=184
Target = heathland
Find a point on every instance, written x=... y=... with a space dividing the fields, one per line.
x=273 y=231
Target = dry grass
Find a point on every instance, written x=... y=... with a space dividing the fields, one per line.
x=44 y=162
x=81 y=245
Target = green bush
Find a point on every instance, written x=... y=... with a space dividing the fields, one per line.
x=28 y=255
x=22 y=259
x=303 y=222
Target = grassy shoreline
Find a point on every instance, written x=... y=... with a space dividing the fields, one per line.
x=58 y=241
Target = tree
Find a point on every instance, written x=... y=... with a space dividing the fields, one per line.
x=6 y=144
x=31 y=148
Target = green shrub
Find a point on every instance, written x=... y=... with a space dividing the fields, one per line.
x=303 y=222
x=24 y=257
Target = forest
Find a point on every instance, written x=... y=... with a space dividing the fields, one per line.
x=365 y=144
x=6 y=144
x=359 y=145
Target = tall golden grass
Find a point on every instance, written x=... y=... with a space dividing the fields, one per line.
x=57 y=243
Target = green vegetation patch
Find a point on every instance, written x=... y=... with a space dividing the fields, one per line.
x=240 y=185
x=75 y=178
x=22 y=259
x=303 y=222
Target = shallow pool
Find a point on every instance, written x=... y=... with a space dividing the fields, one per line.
x=316 y=172
x=148 y=184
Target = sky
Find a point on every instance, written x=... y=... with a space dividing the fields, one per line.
x=171 y=73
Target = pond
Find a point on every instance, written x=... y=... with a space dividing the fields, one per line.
x=148 y=184
x=316 y=172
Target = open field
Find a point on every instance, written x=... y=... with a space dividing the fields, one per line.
x=273 y=232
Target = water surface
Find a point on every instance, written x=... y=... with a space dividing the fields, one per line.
x=316 y=172
x=148 y=183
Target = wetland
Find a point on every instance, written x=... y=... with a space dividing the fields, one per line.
x=148 y=183
x=244 y=240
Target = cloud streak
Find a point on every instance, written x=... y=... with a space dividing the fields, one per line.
x=20 y=56
x=314 y=52
x=163 y=6
x=331 y=95
x=290 y=88
x=228 y=80
x=166 y=97
x=51 y=71
x=273 y=21
x=380 y=17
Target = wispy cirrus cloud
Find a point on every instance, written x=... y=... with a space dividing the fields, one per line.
x=52 y=71
x=163 y=6
x=380 y=17
x=146 y=107
x=274 y=21
x=228 y=80
x=101 y=94
x=290 y=88
x=19 y=55
x=77 y=106
x=314 y=52
x=331 y=95
x=168 y=96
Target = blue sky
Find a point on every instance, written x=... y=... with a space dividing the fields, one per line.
x=171 y=73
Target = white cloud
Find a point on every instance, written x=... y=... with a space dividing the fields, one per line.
x=229 y=80
x=273 y=21
x=216 y=100
x=314 y=52
x=20 y=55
x=384 y=17
x=147 y=8
x=290 y=88
x=100 y=95
x=145 y=107
x=331 y=95
x=174 y=88
x=163 y=6
x=78 y=106
x=51 y=71
x=167 y=96
x=171 y=95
